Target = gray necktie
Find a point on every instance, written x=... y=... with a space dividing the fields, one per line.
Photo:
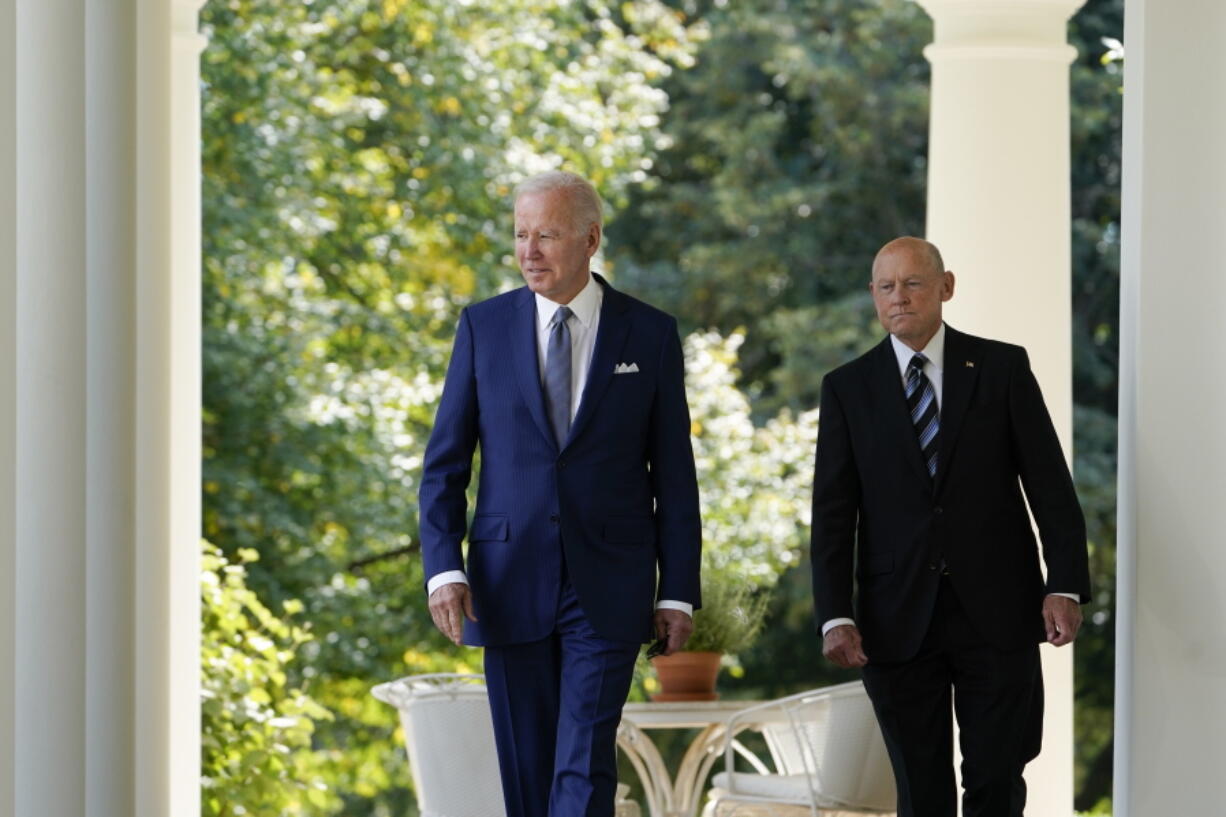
x=557 y=374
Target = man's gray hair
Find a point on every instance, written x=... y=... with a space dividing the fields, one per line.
x=588 y=207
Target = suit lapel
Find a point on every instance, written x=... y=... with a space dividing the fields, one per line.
x=610 y=338
x=958 y=384
x=895 y=417
x=522 y=343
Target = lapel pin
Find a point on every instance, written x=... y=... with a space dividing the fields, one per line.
x=970 y=364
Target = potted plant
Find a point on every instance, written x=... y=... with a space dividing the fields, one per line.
x=731 y=616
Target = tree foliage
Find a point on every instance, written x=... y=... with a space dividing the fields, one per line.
x=256 y=728
x=755 y=480
x=798 y=138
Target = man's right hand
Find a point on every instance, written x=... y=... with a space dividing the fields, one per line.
x=448 y=604
x=842 y=645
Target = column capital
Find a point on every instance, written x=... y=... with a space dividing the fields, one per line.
x=185 y=22
x=1011 y=29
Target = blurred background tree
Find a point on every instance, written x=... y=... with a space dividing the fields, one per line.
x=358 y=158
x=799 y=140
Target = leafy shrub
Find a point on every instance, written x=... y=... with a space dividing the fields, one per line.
x=255 y=729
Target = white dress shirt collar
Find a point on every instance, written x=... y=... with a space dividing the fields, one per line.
x=934 y=351
x=585 y=305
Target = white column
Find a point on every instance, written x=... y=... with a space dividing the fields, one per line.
x=1170 y=702
x=8 y=407
x=99 y=408
x=999 y=209
x=168 y=398
x=50 y=463
x=109 y=377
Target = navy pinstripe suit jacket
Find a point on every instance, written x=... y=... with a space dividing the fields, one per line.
x=615 y=507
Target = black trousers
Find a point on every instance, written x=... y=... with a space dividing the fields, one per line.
x=998 y=698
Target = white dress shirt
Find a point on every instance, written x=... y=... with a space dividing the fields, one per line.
x=583 y=325
x=583 y=322
x=934 y=368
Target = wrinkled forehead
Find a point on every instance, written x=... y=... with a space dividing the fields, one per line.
x=544 y=208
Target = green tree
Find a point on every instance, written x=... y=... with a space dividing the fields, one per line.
x=755 y=481
x=358 y=158
x=797 y=140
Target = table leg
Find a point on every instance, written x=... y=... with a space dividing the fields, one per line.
x=667 y=796
x=649 y=766
x=691 y=778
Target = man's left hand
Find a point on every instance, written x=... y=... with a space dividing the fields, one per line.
x=674 y=627
x=1062 y=617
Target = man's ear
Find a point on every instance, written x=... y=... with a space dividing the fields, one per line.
x=593 y=239
x=947 y=286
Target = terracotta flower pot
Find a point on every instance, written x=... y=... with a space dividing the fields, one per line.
x=686 y=676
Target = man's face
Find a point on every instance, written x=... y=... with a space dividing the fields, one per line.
x=553 y=255
x=908 y=293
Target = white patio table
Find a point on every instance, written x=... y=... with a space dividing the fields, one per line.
x=676 y=795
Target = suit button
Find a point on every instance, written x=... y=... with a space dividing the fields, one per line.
x=932 y=567
x=562 y=464
x=553 y=517
x=938 y=510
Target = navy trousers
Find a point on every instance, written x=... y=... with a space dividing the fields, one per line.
x=556 y=704
x=998 y=698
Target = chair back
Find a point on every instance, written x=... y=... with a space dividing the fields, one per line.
x=832 y=736
x=449 y=736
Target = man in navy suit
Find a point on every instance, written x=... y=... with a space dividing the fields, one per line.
x=586 y=538
x=925 y=446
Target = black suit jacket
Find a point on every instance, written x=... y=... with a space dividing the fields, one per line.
x=878 y=516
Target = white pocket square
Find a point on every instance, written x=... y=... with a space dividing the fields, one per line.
x=625 y=368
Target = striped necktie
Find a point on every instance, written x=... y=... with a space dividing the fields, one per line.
x=922 y=402
x=557 y=374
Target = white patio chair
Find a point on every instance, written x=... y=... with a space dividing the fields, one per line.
x=449 y=737
x=450 y=742
x=827 y=753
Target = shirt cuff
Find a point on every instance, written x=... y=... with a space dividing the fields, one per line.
x=670 y=604
x=836 y=622
x=446 y=577
x=1072 y=596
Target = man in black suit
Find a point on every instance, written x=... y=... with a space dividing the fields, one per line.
x=924 y=448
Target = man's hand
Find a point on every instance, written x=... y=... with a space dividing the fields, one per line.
x=1062 y=617
x=674 y=627
x=447 y=604
x=842 y=645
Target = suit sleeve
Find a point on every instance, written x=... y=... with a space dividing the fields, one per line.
x=671 y=458
x=836 y=505
x=1049 y=486
x=448 y=462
